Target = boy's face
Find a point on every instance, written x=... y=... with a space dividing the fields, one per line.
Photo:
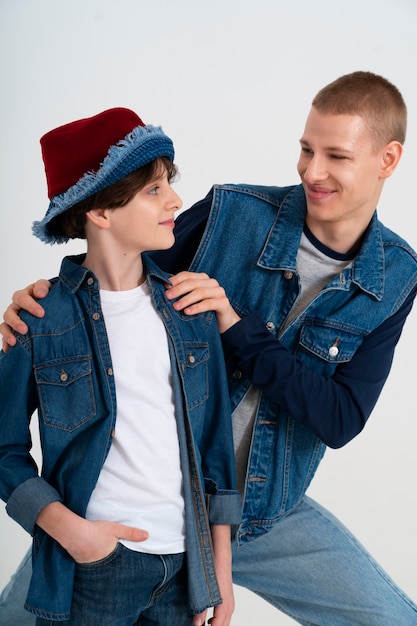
x=341 y=170
x=147 y=221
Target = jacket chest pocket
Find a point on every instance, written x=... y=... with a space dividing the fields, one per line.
x=195 y=372
x=66 y=396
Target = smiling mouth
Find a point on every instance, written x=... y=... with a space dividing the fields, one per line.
x=318 y=193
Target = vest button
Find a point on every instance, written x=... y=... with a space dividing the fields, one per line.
x=288 y=274
x=270 y=326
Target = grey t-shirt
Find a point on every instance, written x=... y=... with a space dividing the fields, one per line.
x=316 y=266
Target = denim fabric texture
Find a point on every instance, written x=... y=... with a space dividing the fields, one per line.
x=310 y=567
x=13 y=596
x=65 y=372
x=128 y=588
x=260 y=275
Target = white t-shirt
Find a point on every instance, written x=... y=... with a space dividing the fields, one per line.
x=140 y=483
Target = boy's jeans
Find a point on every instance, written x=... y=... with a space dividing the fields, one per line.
x=118 y=589
x=309 y=566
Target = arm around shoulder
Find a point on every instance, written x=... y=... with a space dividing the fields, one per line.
x=22 y=299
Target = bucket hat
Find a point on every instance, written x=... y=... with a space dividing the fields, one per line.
x=90 y=154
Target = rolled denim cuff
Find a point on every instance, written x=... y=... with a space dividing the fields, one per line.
x=224 y=507
x=28 y=499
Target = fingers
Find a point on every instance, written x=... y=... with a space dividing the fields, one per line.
x=129 y=533
x=41 y=288
x=200 y=619
x=24 y=299
x=12 y=320
x=190 y=289
x=198 y=293
x=8 y=339
x=222 y=615
x=184 y=282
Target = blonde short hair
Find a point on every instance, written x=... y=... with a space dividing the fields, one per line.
x=373 y=97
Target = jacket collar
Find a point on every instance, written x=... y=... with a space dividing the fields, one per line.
x=73 y=273
x=281 y=247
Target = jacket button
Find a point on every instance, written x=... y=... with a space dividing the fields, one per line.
x=270 y=326
x=237 y=375
x=191 y=358
x=288 y=274
x=109 y=371
x=90 y=281
x=63 y=377
x=334 y=350
x=96 y=316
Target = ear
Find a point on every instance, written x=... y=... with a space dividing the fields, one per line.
x=99 y=217
x=391 y=156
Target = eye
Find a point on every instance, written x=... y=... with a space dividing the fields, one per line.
x=153 y=190
x=307 y=151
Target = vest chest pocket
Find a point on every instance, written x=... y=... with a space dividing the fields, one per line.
x=66 y=397
x=331 y=344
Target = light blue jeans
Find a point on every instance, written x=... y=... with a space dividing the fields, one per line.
x=312 y=568
x=13 y=596
x=309 y=567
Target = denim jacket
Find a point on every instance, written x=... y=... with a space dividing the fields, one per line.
x=63 y=369
x=259 y=273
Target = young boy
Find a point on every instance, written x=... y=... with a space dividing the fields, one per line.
x=131 y=397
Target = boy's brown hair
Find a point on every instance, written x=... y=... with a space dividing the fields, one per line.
x=72 y=222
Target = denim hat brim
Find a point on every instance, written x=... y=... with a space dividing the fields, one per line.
x=141 y=146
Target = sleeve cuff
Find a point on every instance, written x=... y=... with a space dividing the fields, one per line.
x=28 y=499
x=224 y=508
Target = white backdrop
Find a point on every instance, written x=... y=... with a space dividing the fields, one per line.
x=231 y=81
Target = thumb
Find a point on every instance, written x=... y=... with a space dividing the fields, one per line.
x=129 y=533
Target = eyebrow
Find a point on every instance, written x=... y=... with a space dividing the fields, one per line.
x=328 y=148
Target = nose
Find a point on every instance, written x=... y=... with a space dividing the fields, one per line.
x=175 y=201
x=314 y=169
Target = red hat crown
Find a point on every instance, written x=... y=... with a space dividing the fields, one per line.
x=73 y=149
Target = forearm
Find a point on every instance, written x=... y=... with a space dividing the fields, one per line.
x=336 y=408
x=223 y=557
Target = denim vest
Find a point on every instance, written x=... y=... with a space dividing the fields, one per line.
x=259 y=273
x=65 y=371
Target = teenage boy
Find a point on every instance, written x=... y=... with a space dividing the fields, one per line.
x=131 y=514
x=323 y=289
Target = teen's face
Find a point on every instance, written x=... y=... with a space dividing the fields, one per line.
x=146 y=222
x=340 y=169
